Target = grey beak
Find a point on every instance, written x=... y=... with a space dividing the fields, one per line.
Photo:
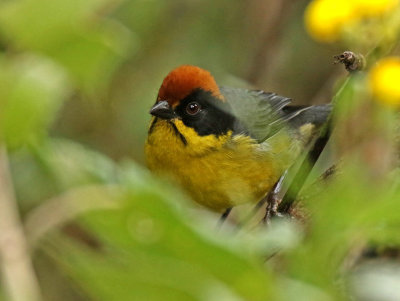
x=163 y=110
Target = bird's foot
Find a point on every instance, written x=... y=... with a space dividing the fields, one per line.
x=273 y=201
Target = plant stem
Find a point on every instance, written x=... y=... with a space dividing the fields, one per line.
x=19 y=279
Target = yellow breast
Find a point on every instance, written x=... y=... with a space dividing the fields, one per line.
x=218 y=172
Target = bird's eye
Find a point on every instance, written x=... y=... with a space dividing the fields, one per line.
x=193 y=108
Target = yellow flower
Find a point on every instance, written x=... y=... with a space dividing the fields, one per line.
x=384 y=81
x=374 y=7
x=324 y=19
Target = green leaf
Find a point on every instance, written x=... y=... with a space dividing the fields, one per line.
x=70 y=32
x=149 y=251
x=32 y=90
x=56 y=166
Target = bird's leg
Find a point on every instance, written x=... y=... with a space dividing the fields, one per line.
x=273 y=200
x=224 y=216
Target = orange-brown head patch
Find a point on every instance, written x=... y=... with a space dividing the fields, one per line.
x=183 y=80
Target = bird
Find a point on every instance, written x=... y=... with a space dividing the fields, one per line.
x=225 y=146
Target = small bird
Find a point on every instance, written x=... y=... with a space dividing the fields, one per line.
x=225 y=146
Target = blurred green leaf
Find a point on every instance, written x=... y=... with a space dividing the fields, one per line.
x=376 y=281
x=32 y=90
x=71 y=32
x=149 y=251
x=56 y=166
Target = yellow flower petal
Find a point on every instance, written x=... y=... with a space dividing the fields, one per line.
x=324 y=18
x=384 y=81
x=374 y=7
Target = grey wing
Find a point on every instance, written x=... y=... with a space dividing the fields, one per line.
x=259 y=113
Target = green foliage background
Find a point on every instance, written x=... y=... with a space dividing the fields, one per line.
x=77 y=79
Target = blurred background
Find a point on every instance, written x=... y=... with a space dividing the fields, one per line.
x=82 y=219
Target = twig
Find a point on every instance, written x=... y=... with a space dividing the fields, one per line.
x=19 y=278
